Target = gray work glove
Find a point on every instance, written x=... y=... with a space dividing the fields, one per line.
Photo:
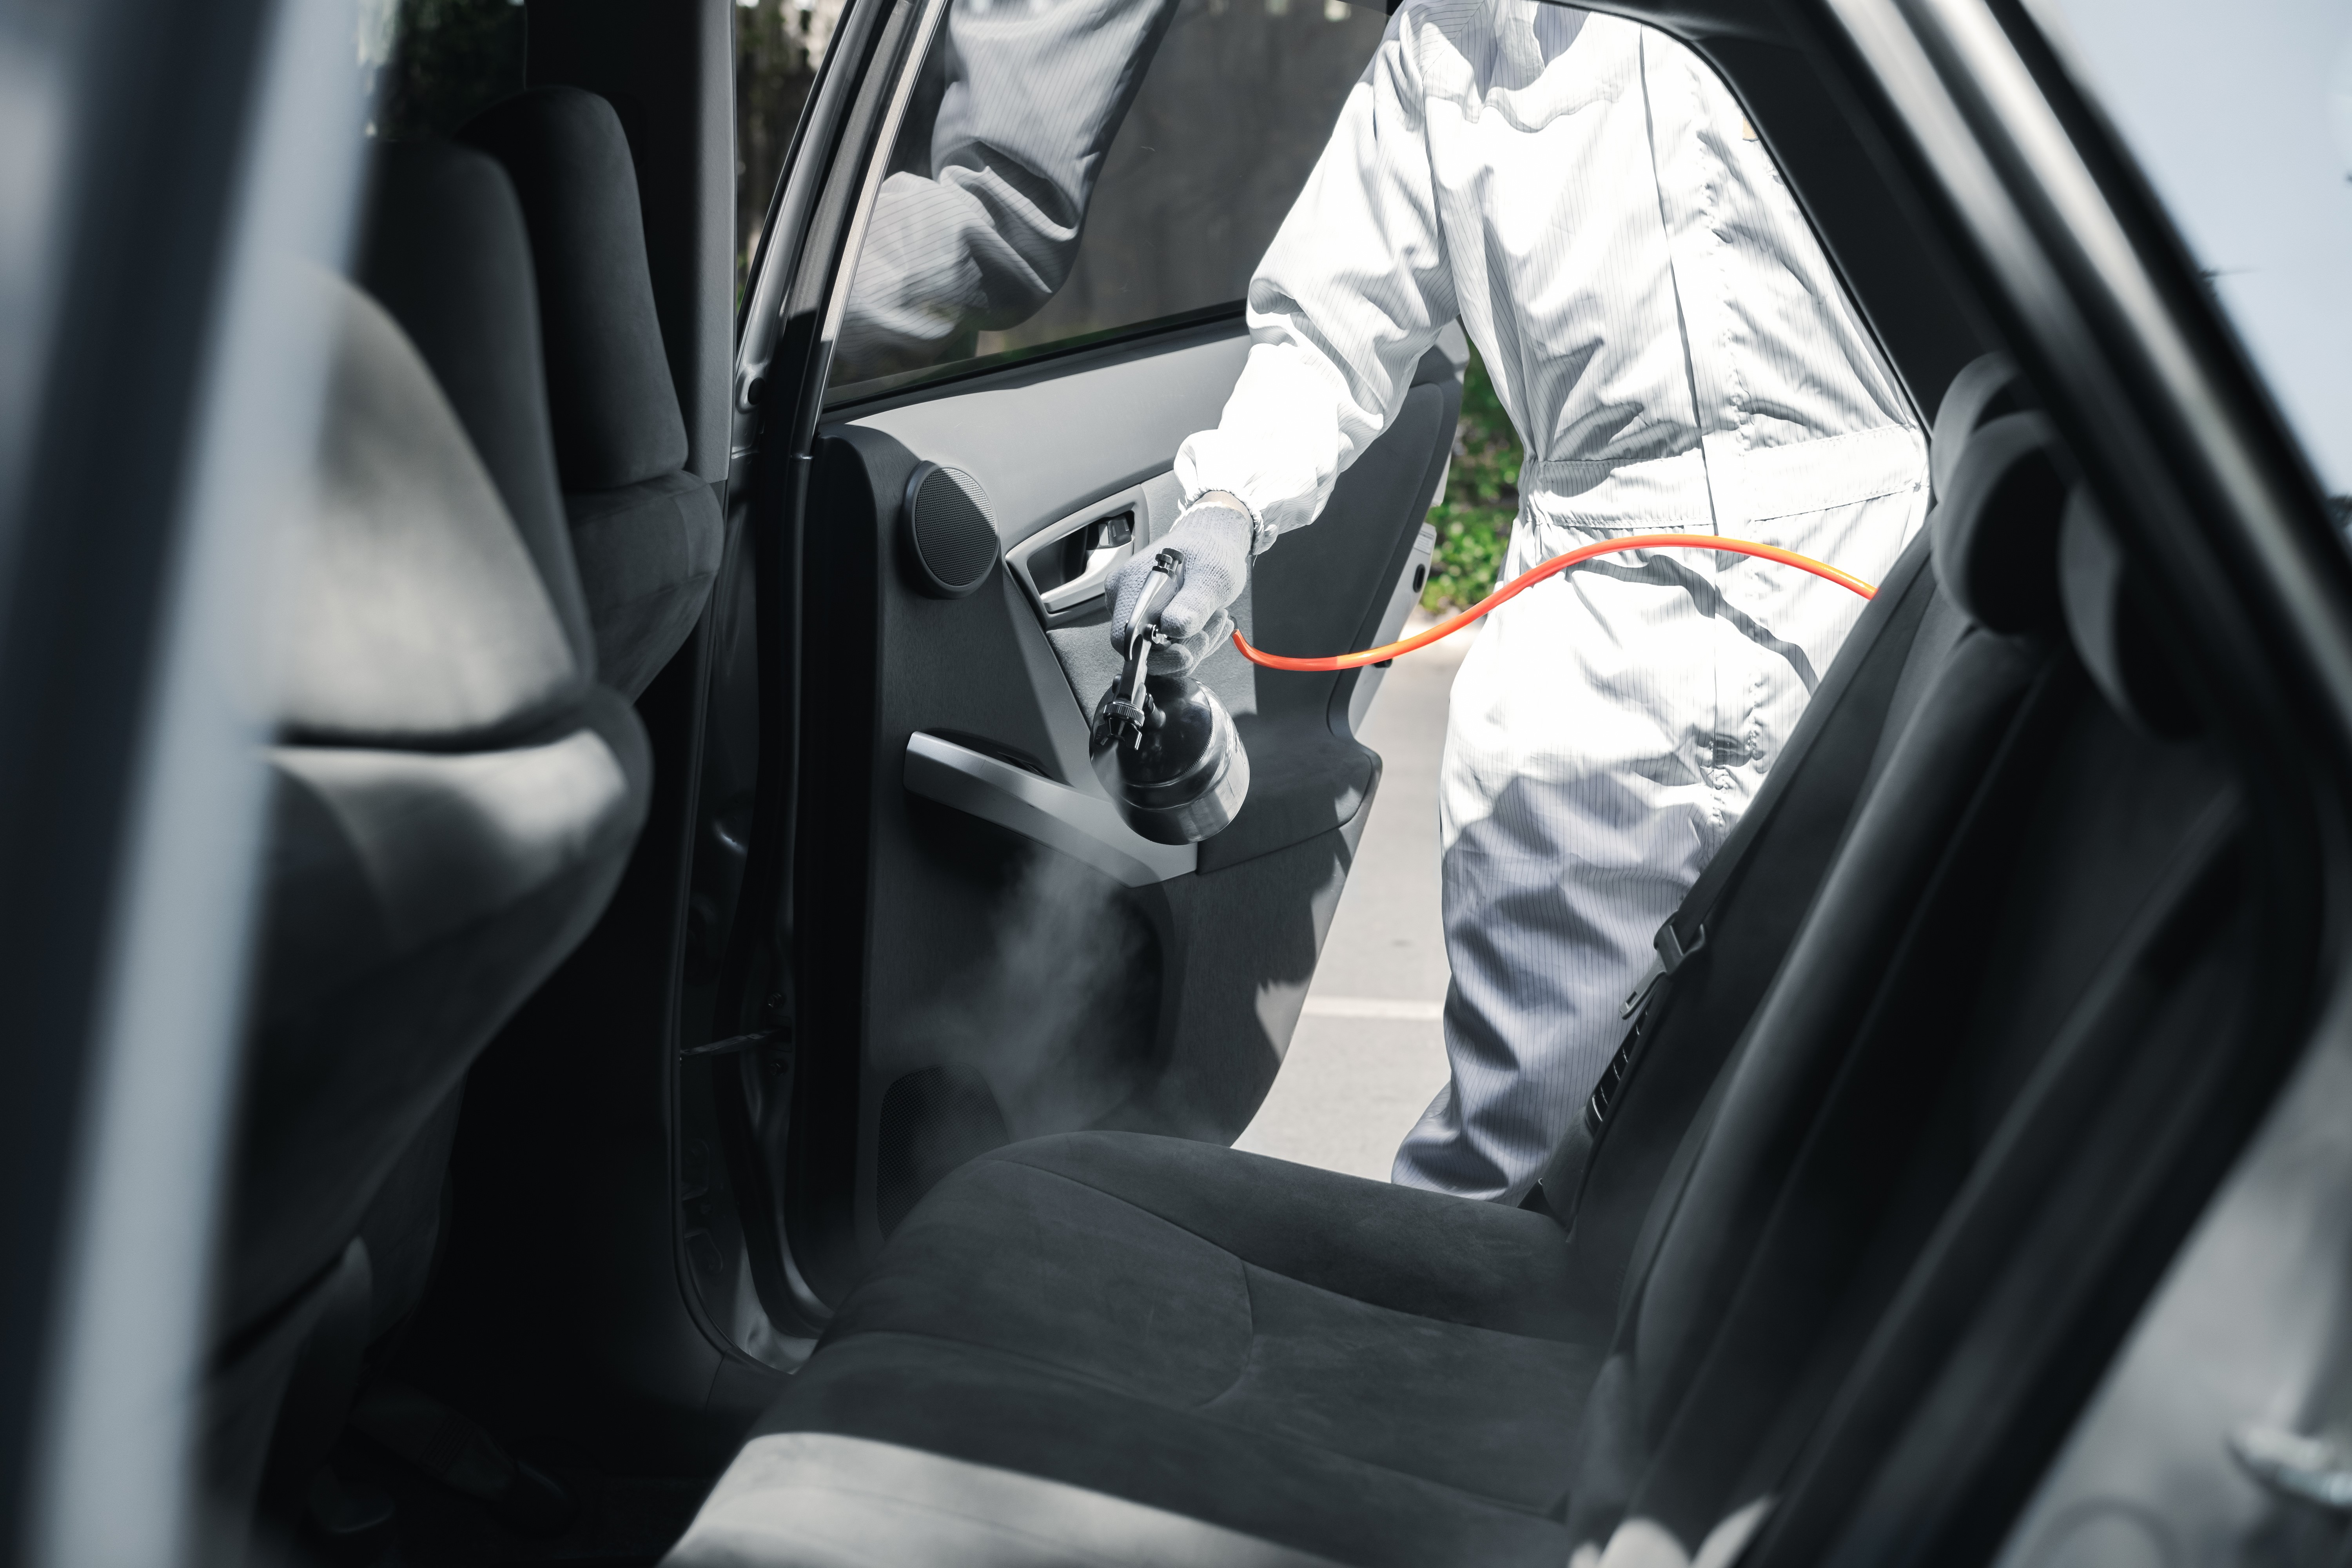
x=1214 y=542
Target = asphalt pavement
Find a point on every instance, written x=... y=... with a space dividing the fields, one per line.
x=1368 y=1056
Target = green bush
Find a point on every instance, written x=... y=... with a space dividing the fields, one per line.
x=1482 y=497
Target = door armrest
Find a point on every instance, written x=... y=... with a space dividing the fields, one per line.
x=1084 y=826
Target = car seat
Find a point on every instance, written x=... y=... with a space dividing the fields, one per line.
x=1171 y=1353
x=454 y=795
x=644 y=530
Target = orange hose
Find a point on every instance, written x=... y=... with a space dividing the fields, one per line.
x=1528 y=579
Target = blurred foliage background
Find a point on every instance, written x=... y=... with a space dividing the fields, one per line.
x=779 y=44
x=1482 y=497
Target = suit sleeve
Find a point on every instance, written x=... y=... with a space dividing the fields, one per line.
x=985 y=231
x=1352 y=292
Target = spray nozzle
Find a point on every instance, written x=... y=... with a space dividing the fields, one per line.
x=1143 y=621
x=1164 y=747
x=1129 y=705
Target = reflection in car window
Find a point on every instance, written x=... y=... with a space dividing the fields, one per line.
x=2242 y=120
x=432 y=65
x=1070 y=169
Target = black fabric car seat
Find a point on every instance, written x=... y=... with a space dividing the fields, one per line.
x=2087 y=945
x=1980 y=736
x=1732 y=932
x=443 y=247
x=1850 y=1136
x=1320 y=1365
x=453 y=796
x=644 y=530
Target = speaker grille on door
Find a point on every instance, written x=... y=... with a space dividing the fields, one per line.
x=951 y=542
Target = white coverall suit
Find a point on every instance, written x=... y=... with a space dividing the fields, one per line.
x=1674 y=350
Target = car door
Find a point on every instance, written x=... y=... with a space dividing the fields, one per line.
x=1011 y=287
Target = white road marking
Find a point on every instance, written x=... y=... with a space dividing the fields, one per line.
x=1374 y=1007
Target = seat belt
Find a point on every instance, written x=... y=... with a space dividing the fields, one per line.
x=1684 y=935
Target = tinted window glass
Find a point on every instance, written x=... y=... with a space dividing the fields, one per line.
x=1071 y=169
x=436 y=63
x=2243 y=118
x=779 y=44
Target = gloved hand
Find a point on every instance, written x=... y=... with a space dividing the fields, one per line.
x=1214 y=542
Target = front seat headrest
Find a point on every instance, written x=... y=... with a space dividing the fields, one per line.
x=1996 y=527
x=617 y=412
x=1985 y=390
x=444 y=251
x=2111 y=622
x=417 y=617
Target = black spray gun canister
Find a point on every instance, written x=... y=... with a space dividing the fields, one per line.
x=1163 y=746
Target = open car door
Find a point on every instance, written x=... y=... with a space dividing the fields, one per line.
x=1002 y=284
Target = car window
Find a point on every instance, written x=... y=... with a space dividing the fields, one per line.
x=779 y=45
x=2242 y=117
x=432 y=65
x=1068 y=170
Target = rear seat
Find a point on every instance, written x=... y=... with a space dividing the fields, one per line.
x=2084 y=955
x=1116 y=1346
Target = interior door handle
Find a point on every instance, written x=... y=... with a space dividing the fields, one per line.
x=1067 y=565
x=1101 y=561
x=1083 y=826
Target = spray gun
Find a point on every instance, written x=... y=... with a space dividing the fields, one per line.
x=1163 y=746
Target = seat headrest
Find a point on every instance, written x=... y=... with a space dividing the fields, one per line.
x=1986 y=389
x=617 y=412
x=2111 y=622
x=1995 y=526
x=443 y=250
x=416 y=617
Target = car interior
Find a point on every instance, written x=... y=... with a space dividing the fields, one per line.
x=721 y=1083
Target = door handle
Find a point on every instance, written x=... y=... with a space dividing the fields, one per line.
x=1088 y=586
x=1066 y=566
x=1097 y=550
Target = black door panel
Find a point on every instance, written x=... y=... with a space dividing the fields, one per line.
x=936 y=934
x=961 y=982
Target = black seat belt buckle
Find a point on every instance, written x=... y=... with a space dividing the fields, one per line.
x=1672 y=955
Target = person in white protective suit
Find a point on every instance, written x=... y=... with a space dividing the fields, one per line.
x=1676 y=355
